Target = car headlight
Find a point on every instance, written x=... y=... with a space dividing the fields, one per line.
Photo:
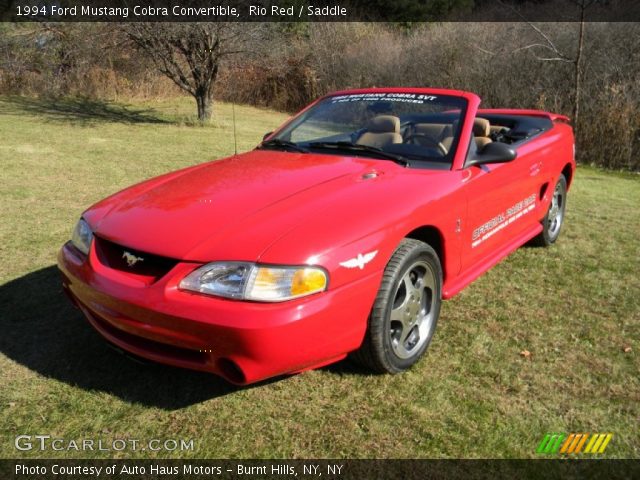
x=248 y=281
x=82 y=236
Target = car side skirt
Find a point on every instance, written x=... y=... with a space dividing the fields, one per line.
x=455 y=285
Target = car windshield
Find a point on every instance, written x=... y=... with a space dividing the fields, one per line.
x=414 y=128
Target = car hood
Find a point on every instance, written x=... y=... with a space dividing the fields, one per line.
x=231 y=209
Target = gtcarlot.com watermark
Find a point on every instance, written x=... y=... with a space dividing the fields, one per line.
x=40 y=443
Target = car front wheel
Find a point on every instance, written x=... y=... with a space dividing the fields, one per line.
x=405 y=312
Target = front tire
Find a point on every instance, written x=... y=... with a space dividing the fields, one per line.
x=553 y=220
x=406 y=310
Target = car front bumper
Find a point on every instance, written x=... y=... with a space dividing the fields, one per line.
x=243 y=342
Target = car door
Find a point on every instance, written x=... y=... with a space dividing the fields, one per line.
x=499 y=197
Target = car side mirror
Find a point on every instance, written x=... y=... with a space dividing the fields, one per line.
x=494 y=152
x=266 y=135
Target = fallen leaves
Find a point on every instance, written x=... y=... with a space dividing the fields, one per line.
x=525 y=354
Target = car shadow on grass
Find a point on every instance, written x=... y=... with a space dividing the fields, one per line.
x=79 y=110
x=44 y=332
x=349 y=368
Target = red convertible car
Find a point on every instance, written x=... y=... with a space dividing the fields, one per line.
x=339 y=234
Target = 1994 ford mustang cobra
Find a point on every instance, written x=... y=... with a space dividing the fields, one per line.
x=339 y=234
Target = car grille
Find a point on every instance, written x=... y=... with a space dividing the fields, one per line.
x=145 y=266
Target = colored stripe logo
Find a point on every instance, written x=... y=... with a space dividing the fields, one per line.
x=574 y=443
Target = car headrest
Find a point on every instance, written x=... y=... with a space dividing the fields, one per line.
x=384 y=124
x=481 y=127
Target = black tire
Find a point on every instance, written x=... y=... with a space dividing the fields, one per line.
x=554 y=218
x=392 y=345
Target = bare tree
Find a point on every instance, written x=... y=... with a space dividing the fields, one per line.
x=555 y=55
x=190 y=54
x=545 y=49
x=577 y=63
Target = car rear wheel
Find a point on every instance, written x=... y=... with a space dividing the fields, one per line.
x=553 y=220
x=405 y=312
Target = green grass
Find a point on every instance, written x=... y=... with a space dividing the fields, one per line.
x=575 y=307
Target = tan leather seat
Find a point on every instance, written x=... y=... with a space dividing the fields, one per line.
x=382 y=130
x=481 y=132
x=447 y=142
x=439 y=132
x=436 y=130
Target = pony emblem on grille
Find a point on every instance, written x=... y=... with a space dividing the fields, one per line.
x=131 y=258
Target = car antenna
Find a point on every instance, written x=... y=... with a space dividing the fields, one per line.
x=235 y=139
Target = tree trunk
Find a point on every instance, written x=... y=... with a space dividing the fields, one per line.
x=205 y=106
x=578 y=70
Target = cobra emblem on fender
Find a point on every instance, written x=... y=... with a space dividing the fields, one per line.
x=360 y=261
